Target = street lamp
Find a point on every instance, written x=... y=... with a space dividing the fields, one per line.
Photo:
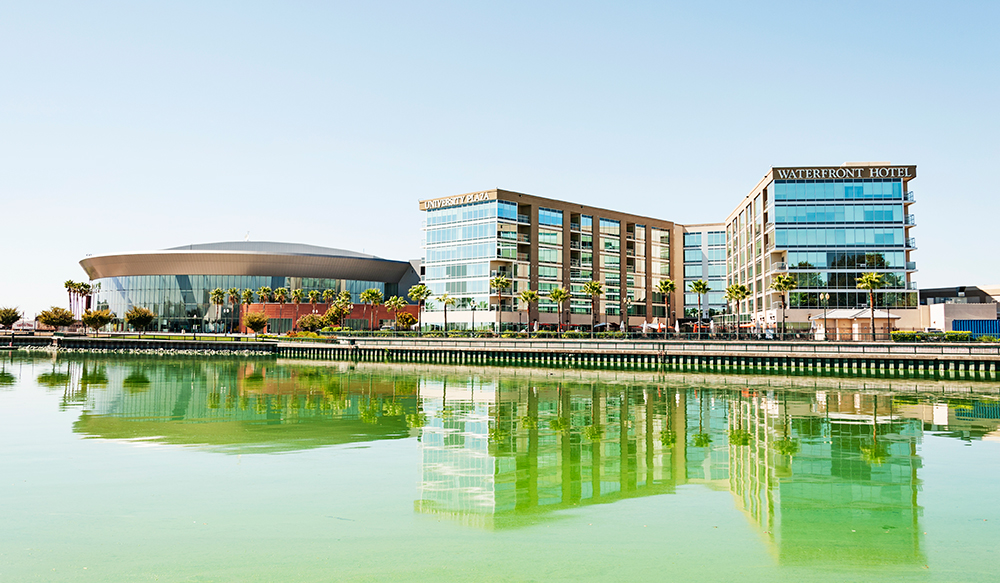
x=628 y=304
x=826 y=302
x=473 y=317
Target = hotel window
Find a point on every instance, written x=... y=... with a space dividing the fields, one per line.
x=549 y=255
x=692 y=239
x=507 y=210
x=610 y=227
x=586 y=222
x=613 y=245
x=692 y=255
x=550 y=217
x=550 y=237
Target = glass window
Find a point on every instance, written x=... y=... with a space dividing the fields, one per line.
x=610 y=227
x=550 y=217
x=692 y=239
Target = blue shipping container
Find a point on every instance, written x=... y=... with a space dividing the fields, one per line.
x=977 y=327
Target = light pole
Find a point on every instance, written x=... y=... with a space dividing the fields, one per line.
x=628 y=304
x=826 y=302
x=473 y=318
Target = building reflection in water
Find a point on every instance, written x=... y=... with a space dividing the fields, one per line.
x=824 y=475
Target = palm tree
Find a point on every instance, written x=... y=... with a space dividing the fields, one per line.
x=395 y=304
x=737 y=293
x=871 y=281
x=234 y=300
x=281 y=296
x=446 y=301
x=783 y=283
x=328 y=296
x=247 y=296
x=297 y=296
x=420 y=293
x=314 y=297
x=666 y=287
x=217 y=297
x=701 y=288
x=264 y=294
x=559 y=296
x=528 y=297
x=372 y=297
x=500 y=283
x=595 y=290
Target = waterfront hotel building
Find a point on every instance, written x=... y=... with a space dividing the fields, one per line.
x=824 y=226
x=541 y=244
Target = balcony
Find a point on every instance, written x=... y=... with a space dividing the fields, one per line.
x=910 y=220
x=522 y=257
x=911 y=243
x=574 y=263
x=909 y=197
x=912 y=285
x=522 y=238
x=630 y=252
x=524 y=219
x=779 y=266
x=911 y=265
x=574 y=226
x=574 y=245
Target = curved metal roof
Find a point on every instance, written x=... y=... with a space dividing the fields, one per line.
x=262 y=258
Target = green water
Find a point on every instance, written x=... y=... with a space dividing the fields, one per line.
x=225 y=469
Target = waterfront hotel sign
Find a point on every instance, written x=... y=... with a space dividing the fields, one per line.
x=844 y=172
x=440 y=203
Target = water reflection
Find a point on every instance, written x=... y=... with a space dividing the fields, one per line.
x=827 y=474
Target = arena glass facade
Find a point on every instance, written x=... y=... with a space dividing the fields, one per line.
x=167 y=282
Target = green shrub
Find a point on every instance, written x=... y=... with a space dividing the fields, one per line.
x=574 y=334
x=484 y=334
x=900 y=336
x=434 y=334
x=610 y=334
x=545 y=334
x=508 y=335
x=987 y=338
x=457 y=334
x=957 y=336
x=310 y=322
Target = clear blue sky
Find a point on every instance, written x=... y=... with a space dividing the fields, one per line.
x=134 y=126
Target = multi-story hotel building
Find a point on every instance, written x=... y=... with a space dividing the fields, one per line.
x=704 y=259
x=824 y=226
x=541 y=244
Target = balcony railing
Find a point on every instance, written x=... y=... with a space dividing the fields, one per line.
x=911 y=243
x=522 y=238
x=574 y=226
x=911 y=265
x=911 y=220
x=779 y=266
x=525 y=219
x=522 y=257
x=574 y=263
x=911 y=285
x=574 y=245
x=909 y=197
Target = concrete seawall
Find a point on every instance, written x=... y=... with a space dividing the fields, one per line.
x=967 y=360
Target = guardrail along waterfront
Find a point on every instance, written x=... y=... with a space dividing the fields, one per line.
x=84 y=343
x=892 y=359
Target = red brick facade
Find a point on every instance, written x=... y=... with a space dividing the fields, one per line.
x=295 y=311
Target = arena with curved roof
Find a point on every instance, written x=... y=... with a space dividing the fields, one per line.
x=175 y=283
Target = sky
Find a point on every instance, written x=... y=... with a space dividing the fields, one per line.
x=128 y=126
